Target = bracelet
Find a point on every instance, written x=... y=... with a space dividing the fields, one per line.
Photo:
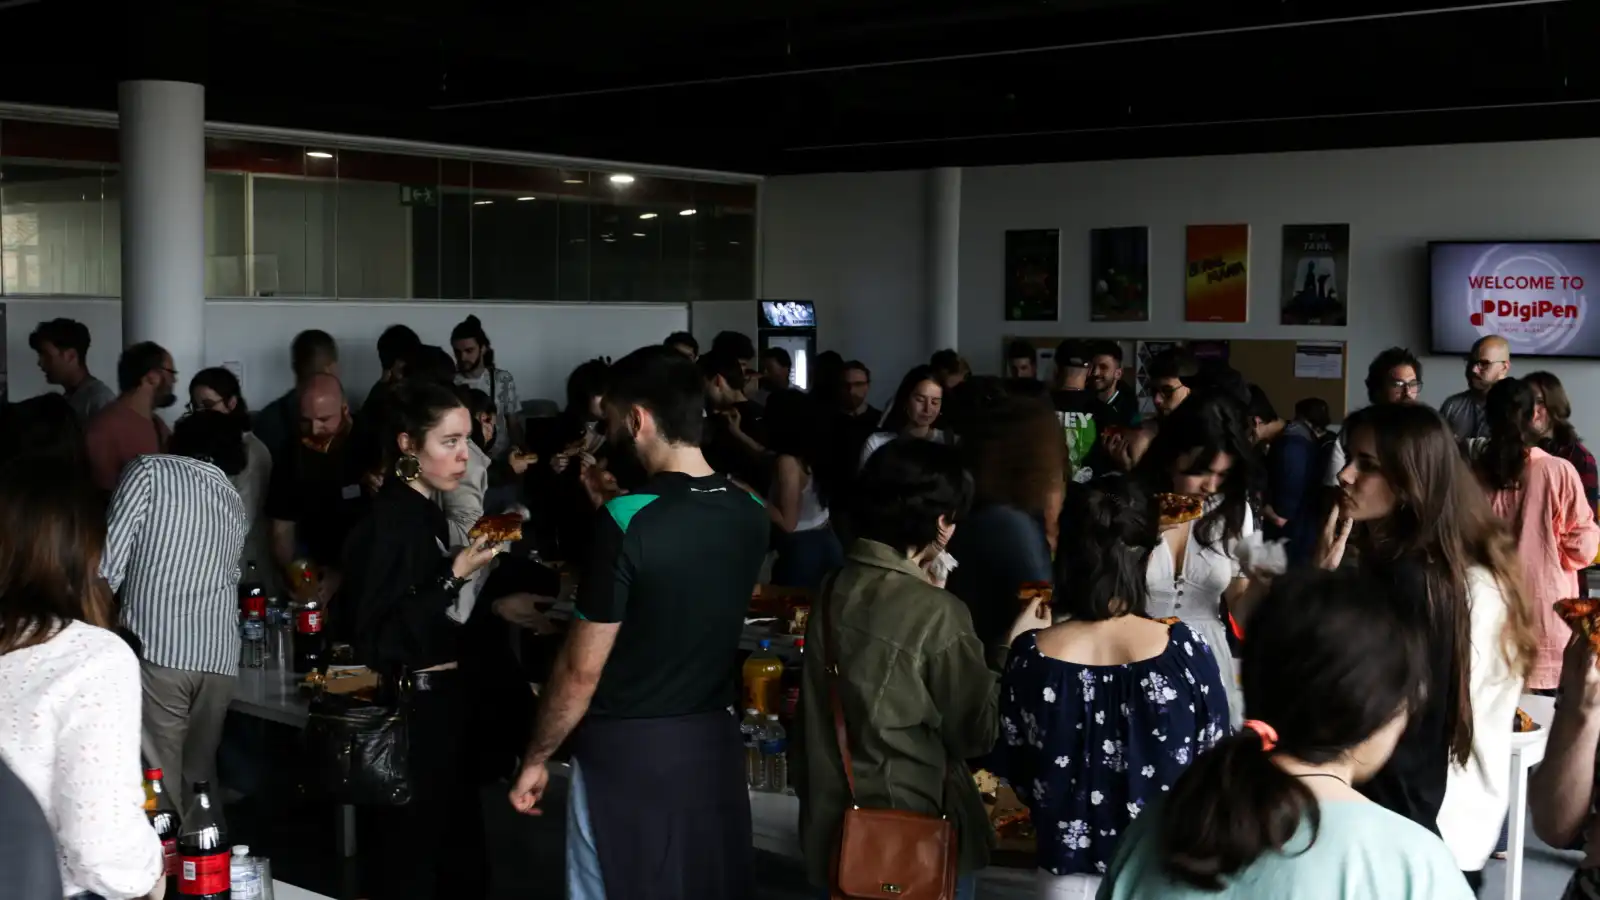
x=452 y=585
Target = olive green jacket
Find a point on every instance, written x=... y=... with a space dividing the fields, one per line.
x=918 y=701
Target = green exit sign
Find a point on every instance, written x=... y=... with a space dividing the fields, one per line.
x=418 y=195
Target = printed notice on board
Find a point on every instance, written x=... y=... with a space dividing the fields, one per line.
x=1319 y=359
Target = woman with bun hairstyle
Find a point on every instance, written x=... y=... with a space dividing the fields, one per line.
x=475 y=368
x=1100 y=714
x=405 y=597
x=1334 y=668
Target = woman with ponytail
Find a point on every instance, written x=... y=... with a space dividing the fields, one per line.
x=1333 y=669
x=1101 y=713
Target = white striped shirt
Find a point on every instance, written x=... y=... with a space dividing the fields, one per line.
x=172 y=548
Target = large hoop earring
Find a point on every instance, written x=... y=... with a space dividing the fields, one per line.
x=407 y=468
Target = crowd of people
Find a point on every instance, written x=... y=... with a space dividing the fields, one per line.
x=1188 y=714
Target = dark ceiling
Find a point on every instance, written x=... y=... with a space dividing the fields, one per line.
x=785 y=86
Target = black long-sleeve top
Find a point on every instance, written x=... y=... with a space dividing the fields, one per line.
x=393 y=593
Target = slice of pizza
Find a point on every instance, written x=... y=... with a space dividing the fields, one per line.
x=497 y=529
x=1176 y=509
x=1168 y=620
x=1032 y=592
x=1582 y=615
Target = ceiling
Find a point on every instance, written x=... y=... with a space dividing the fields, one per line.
x=783 y=86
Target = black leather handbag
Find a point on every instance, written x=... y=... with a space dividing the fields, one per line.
x=360 y=751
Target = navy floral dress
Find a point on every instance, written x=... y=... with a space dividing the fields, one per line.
x=1086 y=748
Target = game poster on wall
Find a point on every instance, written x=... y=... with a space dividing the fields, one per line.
x=1033 y=275
x=1316 y=274
x=1119 y=274
x=1217 y=283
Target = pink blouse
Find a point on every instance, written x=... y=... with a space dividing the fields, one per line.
x=1556 y=537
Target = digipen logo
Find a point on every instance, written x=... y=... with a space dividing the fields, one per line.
x=1527 y=295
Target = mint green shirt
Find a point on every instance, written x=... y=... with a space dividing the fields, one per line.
x=1362 y=852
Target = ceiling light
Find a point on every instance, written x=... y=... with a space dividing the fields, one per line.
x=319 y=154
x=622 y=179
x=610 y=240
x=573 y=181
x=482 y=202
x=519 y=199
x=685 y=212
x=640 y=234
x=647 y=215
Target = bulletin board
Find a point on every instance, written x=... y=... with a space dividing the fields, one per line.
x=1287 y=370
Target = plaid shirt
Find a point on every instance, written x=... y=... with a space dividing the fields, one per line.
x=1583 y=461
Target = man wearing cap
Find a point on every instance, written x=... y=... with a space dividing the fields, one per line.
x=1081 y=411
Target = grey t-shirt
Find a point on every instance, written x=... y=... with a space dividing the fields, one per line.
x=1465 y=414
x=90 y=397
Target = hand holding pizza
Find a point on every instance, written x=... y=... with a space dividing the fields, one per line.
x=1580 y=676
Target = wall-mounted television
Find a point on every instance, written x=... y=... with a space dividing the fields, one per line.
x=788 y=314
x=1535 y=294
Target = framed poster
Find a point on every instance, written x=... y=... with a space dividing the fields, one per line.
x=1316 y=273
x=1033 y=275
x=1119 y=274
x=1217 y=280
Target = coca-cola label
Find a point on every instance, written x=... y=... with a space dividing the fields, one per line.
x=169 y=853
x=309 y=621
x=201 y=875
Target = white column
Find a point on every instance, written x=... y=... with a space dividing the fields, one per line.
x=944 y=257
x=162 y=137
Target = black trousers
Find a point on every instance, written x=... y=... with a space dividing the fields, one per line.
x=434 y=847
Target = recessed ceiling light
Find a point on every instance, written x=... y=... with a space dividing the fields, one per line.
x=733 y=243
x=519 y=199
x=482 y=202
x=622 y=179
x=610 y=240
x=685 y=212
x=640 y=234
x=319 y=154
x=573 y=181
x=647 y=215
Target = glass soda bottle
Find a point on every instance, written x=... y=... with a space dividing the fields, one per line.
x=763 y=680
x=203 y=851
x=163 y=816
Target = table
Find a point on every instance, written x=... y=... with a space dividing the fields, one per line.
x=285 y=891
x=1527 y=750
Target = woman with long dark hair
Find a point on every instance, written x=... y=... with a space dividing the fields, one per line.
x=804 y=484
x=1336 y=670
x=217 y=390
x=1013 y=449
x=405 y=596
x=1203 y=448
x=69 y=686
x=1100 y=714
x=1557 y=437
x=1541 y=499
x=916 y=407
x=1418 y=520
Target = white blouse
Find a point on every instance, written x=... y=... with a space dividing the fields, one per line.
x=69 y=729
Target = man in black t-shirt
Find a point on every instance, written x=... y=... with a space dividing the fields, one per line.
x=651 y=664
x=1105 y=379
x=315 y=496
x=735 y=435
x=1083 y=414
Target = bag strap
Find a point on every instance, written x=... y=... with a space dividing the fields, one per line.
x=830 y=659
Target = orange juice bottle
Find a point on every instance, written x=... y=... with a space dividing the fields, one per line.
x=763 y=680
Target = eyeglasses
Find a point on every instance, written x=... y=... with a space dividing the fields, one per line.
x=1409 y=387
x=1484 y=364
x=1165 y=390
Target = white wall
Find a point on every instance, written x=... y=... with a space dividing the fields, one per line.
x=851 y=240
x=539 y=344
x=854 y=244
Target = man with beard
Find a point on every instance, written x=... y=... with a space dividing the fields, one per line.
x=645 y=681
x=129 y=427
x=1105 y=379
x=1084 y=416
x=1488 y=363
x=475 y=368
x=315 y=497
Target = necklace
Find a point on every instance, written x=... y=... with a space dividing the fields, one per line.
x=1322 y=775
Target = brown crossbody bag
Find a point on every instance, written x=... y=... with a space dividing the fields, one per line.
x=883 y=853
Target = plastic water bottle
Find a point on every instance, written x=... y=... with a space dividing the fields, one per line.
x=252 y=641
x=244 y=875
x=774 y=756
x=750 y=729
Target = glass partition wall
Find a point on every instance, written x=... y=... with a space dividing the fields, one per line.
x=287 y=220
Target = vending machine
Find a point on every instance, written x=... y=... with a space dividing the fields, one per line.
x=791 y=325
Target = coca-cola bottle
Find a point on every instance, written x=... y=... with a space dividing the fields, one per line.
x=203 y=850
x=252 y=592
x=163 y=815
x=310 y=647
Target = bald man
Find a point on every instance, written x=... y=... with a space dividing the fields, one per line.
x=1489 y=361
x=316 y=496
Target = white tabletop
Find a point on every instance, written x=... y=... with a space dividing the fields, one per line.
x=271 y=693
x=283 y=891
